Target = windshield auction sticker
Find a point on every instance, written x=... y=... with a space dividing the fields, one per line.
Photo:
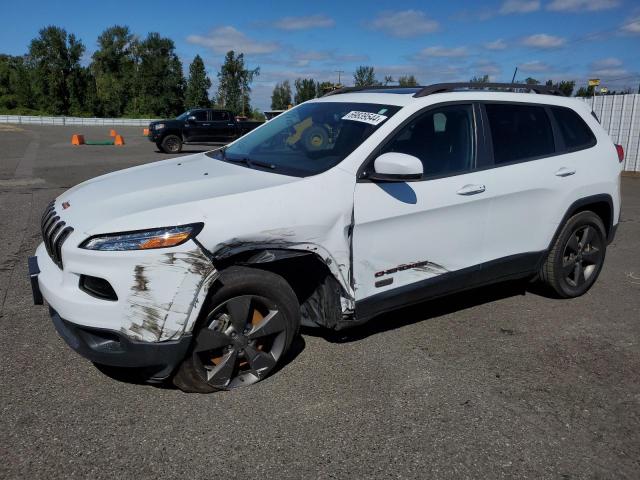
x=366 y=117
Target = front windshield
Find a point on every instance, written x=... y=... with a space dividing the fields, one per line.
x=309 y=139
x=183 y=116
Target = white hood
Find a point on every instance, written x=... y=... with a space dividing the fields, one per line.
x=169 y=183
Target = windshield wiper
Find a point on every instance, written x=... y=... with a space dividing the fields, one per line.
x=249 y=162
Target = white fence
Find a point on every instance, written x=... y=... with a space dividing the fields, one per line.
x=89 y=122
x=620 y=116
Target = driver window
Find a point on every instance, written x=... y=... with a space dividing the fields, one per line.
x=441 y=138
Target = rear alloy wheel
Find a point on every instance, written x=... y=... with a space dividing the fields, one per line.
x=171 y=144
x=251 y=323
x=577 y=256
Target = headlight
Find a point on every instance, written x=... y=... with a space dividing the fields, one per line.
x=143 y=239
x=158 y=126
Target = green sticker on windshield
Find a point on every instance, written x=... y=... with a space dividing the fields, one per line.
x=382 y=112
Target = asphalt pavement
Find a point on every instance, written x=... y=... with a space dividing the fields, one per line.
x=501 y=382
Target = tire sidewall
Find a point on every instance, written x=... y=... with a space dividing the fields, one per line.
x=578 y=221
x=164 y=144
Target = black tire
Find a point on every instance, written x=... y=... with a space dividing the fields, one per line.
x=576 y=258
x=222 y=357
x=171 y=144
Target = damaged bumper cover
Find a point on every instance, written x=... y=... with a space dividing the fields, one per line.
x=109 y=347
x=159 y=293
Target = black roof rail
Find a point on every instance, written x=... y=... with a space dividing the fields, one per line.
x=452 y=87
x=370 y=87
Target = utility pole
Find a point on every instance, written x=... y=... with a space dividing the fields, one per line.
x=339 y=72
x=513 y=79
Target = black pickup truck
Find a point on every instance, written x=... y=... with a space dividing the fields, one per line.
x=198 y=125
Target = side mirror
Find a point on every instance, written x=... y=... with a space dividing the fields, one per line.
x=191 y=118
x=397 y=167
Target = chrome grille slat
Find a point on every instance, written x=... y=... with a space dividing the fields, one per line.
x=54 y=233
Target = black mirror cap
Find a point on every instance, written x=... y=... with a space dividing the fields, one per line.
x=391 y=177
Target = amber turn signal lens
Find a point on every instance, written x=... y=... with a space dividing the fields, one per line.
x=166 y=240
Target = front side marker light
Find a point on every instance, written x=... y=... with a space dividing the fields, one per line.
x=143 y=239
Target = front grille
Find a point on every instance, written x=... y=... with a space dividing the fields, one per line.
x=54 y=233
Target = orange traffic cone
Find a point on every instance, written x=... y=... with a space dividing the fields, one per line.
x=77 y=139
x=113 y=133
x=119 y=140
x=145 y=132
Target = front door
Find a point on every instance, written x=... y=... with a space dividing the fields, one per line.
x=409 y=235
x=196 y=129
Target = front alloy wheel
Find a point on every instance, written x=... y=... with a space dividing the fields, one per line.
x=249 y=323
x=243 y=340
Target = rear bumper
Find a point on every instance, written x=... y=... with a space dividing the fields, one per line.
x=109 y=347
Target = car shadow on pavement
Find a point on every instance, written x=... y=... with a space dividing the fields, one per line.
x=426 y=310
x=137 y=376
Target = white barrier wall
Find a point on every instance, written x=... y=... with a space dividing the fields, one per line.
x=620 y=116
x=89 y=122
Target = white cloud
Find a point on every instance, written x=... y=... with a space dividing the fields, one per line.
x=304 y=23
x=443 y=52
x=606 y=63
x=582 y=5
x=223 y=39
x=535 y=66
x=631 y=26
x=519 y=6
x=498 y=44
x=542 y=40
x=405 y=24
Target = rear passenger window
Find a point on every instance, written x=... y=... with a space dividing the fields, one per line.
x=519 y=132
x=219 y=116
x=442 y=139
x=576 y=133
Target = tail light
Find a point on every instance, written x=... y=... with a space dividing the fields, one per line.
x=620 y=151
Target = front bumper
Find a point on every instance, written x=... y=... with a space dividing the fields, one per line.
x=108 y=347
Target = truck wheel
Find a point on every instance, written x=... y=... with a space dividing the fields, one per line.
x=576 y=258
x=250 y=323
x=315 y=138
x=171 y=144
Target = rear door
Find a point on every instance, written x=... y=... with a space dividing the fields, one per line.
x=531 y=177
x=408 y=235
x=222 y=125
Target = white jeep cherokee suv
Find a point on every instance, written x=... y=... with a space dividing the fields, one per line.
x=202 y=268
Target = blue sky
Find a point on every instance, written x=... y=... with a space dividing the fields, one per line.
x=435 y=41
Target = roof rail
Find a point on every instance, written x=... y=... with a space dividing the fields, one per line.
x=451 y=87
x=370 y=87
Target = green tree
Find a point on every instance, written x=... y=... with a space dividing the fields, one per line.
x=234 y=87
x=482 y=79
x=114 y=67
x=305 y=89
x=565 y=86
x=388 y=79
x=365 y=76
x=281 y=96
x=159 y=82
x=323 y=88
x=198 y=85
x=55 y=58
x=407 y=81
x=531 y=81
x=16 y=81
x=585 y=92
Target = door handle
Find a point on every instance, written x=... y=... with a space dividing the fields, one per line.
x=471 y=189
x=564 y=172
